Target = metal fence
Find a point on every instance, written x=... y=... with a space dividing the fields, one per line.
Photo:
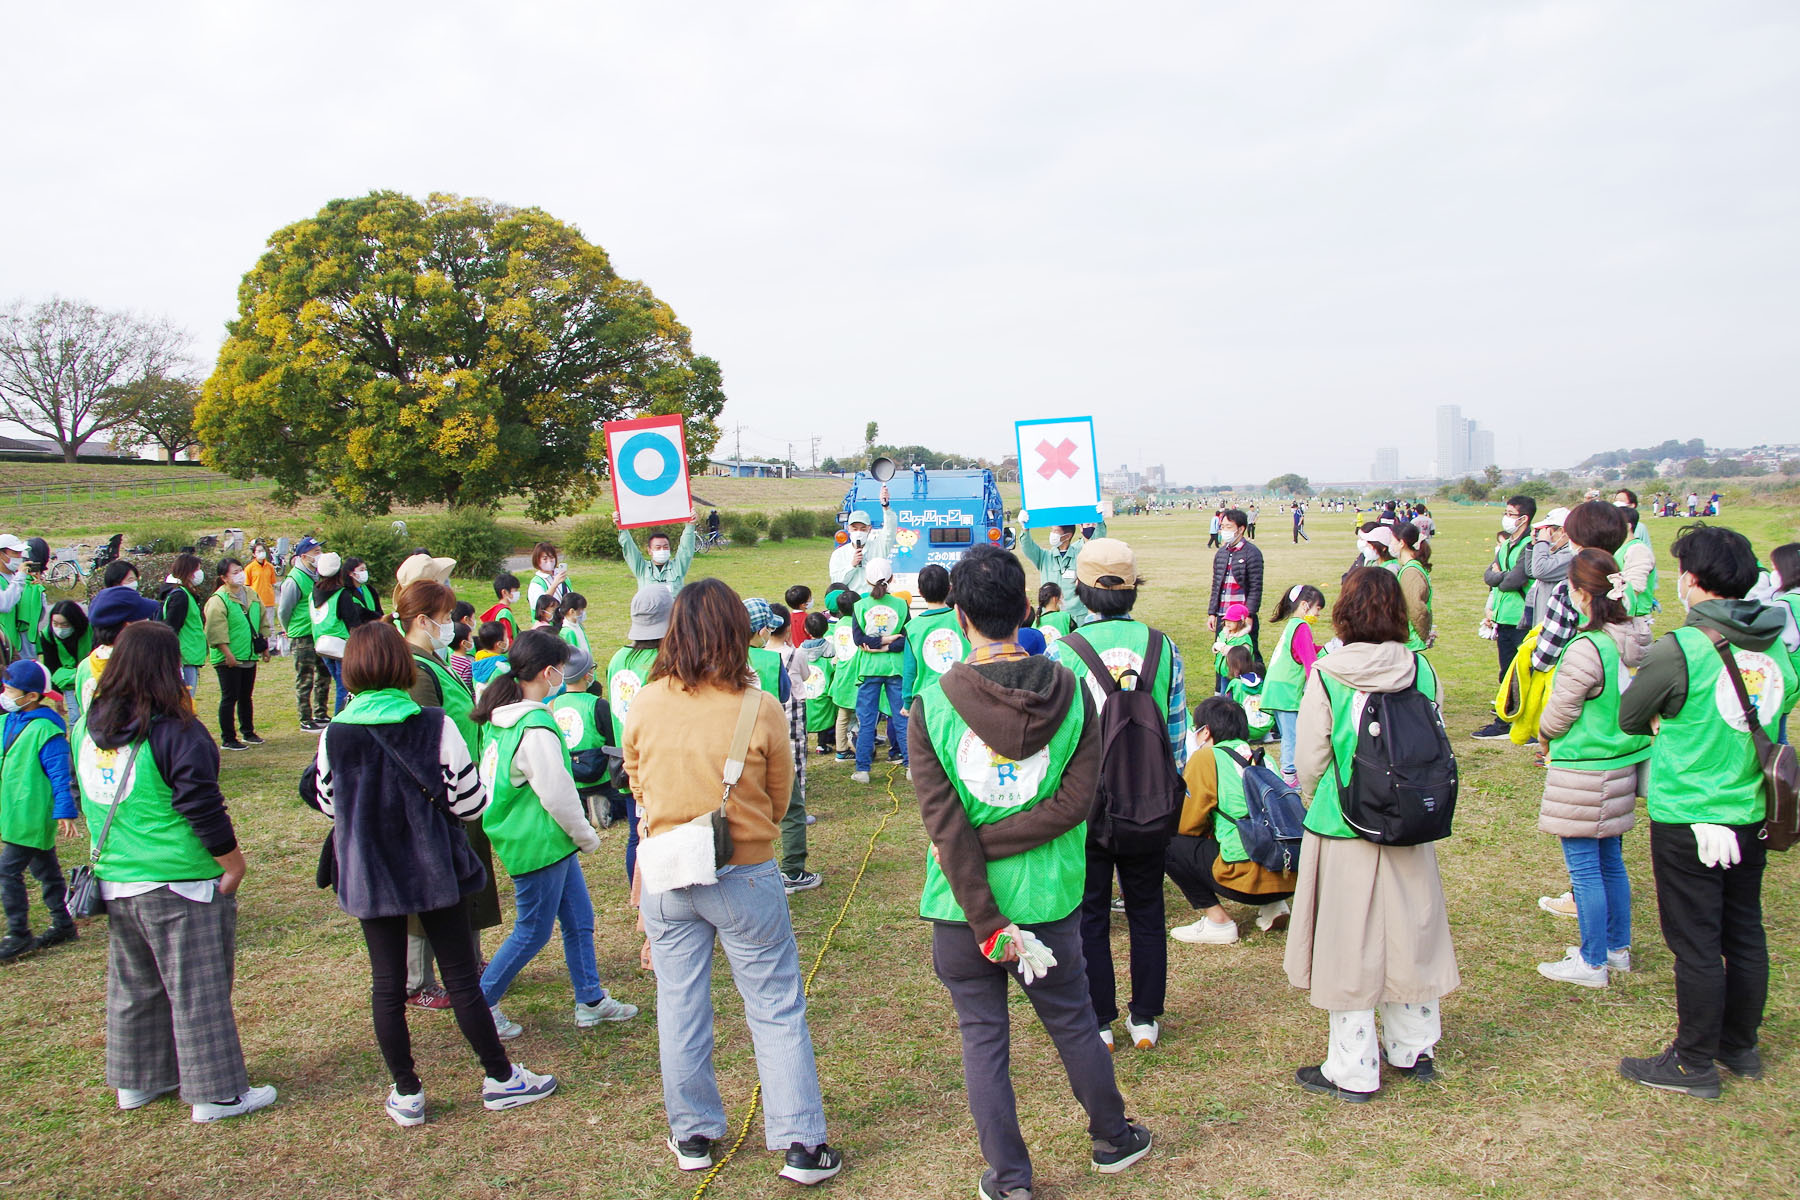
x=20 y=495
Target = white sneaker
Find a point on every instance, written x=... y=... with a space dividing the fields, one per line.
x=1561 y=906
x=406 y=1110
x=508 y=1030
x=1143 y=1036
x=859 y=777
x=1273 y=916
x=1619 y=960
x=1206 y=933
x=522 y=1088
x=1570 y=969
x=249 y=1102
x=130 y=1098
x=606 y=1009
x=1106 y=1036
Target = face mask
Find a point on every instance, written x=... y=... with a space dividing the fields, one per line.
x=197 y=578
x=361 y=576
x=578 y=618
x=1681 y=592
x=1061 y=542
x=261 y=554
x=512 y=598
x=441 y=633
x=549 y=566
x=9 y=565
x=61 y=631
x=562 y=684
x=236 y=579
x=659 y=556
x=10 y=705
x=858 y=537
x=1509 y=525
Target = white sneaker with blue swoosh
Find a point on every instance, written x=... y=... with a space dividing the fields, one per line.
x=524 y=1087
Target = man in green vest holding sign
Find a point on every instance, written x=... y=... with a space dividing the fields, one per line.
x=1006 y=755
x=1707 y=806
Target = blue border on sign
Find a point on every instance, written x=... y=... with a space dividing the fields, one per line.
x=1068 y=514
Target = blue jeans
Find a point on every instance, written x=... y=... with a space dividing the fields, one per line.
x=868 y=711
x=631 y=837
x=1287 y=726
x=334 y=667
x=1602 y=895
x=747 y=912
x=190 y=678
x=553 y=894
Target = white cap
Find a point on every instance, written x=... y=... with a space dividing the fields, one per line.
x=1555 y=516
x=878 y=569
x=859 y=517
x=9 y=542
x=329 y=563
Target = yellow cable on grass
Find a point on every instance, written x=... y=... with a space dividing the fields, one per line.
x=818 y=961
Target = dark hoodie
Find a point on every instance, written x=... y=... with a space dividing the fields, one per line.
x=1015 y=707
x=1661 y=685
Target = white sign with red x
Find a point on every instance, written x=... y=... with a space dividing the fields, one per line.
x=1059 y=470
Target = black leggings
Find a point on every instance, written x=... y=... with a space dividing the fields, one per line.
x=447 y=929
x=237 y=700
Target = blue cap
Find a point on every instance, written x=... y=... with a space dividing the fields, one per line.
x=761 y=615
x=120 y=605
x=308 y=545
x=28 y=676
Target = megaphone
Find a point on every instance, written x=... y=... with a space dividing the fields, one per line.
x=882 y=469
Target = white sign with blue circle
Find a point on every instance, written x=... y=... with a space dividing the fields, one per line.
x=647 y=459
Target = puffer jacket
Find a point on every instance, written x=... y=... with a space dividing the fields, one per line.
x=1589 y=804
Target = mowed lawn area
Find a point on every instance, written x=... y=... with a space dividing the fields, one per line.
x=1528 y=1102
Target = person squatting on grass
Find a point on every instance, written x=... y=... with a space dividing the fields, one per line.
x=1006 y=751
x=676 y=745
x=397 y=783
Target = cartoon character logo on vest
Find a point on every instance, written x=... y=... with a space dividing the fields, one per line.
x=881 y=620
x=1762 y=679
x=490 y=765
x=813 y=686
x=625 y=687
x=996 y=780
x=569 y=721
x=941 y=649
x=99 y=771
x=1123 y=663
x=843 y=641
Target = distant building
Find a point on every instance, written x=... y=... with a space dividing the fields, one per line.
x=1387 y=465
x=1464 y=447
x=743 y=469
x=1154 y=478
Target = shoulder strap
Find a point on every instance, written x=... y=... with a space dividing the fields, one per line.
x=1085 y=651
x=1241 y=762
x=740 y=740
x=1153 y=644
x=1757 y=734
x=119 y=795
x=431 y=795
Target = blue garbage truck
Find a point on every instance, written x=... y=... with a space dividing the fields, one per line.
x=940 y=515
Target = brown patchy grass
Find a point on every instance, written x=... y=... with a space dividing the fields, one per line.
x=1529 y=1102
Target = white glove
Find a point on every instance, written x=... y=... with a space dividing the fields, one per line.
x=1035 y=958
x=1718 y=846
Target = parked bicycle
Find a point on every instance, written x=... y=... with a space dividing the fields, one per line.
x=711 y=541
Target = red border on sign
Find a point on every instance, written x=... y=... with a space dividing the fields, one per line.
x=671 y=420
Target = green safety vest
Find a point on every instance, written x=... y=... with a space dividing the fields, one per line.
x=149 y=841
x=1595 y=742
x=1120 y=642
x=192 y=631
x=767 y=665
x=1055 y=626
x=935 y=642
x=87 y=677
x=626 y=676
x=844 y=655
x=241 y=625
x=325 y=619
x=299 y=622
x=1227 y=640
x=821 y=709
x=1042 y=884
x=1232 y=805
x=1509 y=607
x=1413 y=640
x=1250 y=698
x=523 y=833
x=1281 y=687
x=22 y=621
x=574 y=714
x=1641 y=604
x=455 y=698
x=577 y=637
x=70 y=650
x=1325 y=816
x=27 y=803
x=1703 y=764
x=885 y=616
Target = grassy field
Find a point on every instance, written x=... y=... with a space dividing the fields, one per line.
x=1528 y=1104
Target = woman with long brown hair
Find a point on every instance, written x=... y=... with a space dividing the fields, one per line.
x=677 y=741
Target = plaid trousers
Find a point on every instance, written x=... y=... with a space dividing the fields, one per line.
x=168 y=996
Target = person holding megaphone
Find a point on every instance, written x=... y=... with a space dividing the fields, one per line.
x=865 y=545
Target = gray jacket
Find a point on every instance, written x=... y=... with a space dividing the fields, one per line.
x=1549 y=567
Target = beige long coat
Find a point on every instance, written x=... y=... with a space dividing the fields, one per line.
x=1369 y=923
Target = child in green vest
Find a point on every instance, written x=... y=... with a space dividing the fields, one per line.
x=68 y=640
x=933 y=639
x=37 y=801
x=492 y=642
x=1290 y=666
x=1245 y=687
x=586 y=723
x=878 y=626
x=535 y=823
x=821 y=713
x=571 y=622
x=1052 y=621
x=843 y=677
x=797 y=658
x=1233 y=631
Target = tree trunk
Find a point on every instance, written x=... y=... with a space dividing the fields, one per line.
x=70 y=450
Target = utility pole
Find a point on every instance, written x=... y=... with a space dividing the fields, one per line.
x=790 y=461
x=815 y=452
x=739 y=430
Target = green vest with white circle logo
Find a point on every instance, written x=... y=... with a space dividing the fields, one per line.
x=1703 y=764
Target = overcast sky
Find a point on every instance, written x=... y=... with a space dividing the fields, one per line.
x=1248 y=238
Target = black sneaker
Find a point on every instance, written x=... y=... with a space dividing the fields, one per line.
x=1313 y=1080
x=987 y=1189
x=691 y=1154
x=13 y=945
x=252 y=739
x=807 y=1167
x=1667 y=1072
x=1747 y=1064
x=1423 y=1069
x=56 y=935
x=1112 y=1157
x=310 y=725
x=1494 y=731
x=234 y=744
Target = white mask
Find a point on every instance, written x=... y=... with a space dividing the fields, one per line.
x=858 y=537
x=659 y=556
x=261 y=554
x=549 y=566
x=61 y=631
x=9 y=704
x=579 y=618
x=360 y=576
x=197 y=578
x=1509 y=525
x=236 y=579
x=441 y=633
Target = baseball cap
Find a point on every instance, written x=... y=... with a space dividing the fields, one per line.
x=28 y=676
x=9 y=542
x=859 y=517
x=307 y=545
x=1237 y=612
x=1555 y=516
x=423 y=566
x=761 y=615
x=1104 y=558
x=650 y=607
x=120 y=605
x=878 y=569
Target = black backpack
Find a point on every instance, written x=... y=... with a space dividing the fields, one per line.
x=1403 y=782
x=1275 y=819
x=1138 y=798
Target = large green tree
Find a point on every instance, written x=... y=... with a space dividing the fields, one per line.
x=396 y=351
x=162 y=412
